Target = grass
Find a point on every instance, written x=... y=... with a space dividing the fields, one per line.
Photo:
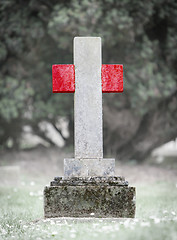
x=21 y=216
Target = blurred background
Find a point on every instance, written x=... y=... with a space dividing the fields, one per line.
x=141 y=35
x=37 y=126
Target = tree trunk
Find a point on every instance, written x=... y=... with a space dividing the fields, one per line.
x=156 y=127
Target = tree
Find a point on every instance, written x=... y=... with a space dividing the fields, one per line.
x=141 y=35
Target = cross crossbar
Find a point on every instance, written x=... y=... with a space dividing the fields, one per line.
x=63 y=76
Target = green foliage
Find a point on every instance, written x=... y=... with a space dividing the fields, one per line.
x=15 y=95
x=35 y=34
x=124 y=27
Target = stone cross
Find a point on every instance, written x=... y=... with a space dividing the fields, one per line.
x=89 y=187
x=88 y=78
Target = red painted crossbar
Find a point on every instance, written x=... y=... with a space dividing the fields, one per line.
x=64 y=78
x=112 y=78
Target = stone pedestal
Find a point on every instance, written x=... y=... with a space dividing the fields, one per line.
x=89 y=197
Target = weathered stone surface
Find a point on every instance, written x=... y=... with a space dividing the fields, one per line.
x=98 y=181
x=67 y=200
x=88 y=98
x=63 y=76
x=71 y=220
x=89 y=167
x=112 y=78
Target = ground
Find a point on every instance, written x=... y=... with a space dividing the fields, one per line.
x=24 y=174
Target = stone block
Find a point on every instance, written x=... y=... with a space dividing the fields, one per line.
x=89 y=197
x=88 y=98
x=89 y=167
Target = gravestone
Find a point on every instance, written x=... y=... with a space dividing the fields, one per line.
x=89 y=187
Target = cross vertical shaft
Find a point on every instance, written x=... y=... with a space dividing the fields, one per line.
x=88 y=98
x=88 y=127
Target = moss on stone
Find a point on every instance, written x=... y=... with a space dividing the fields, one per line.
x=81 y=201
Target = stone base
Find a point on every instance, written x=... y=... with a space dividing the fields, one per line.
x=109 y=197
